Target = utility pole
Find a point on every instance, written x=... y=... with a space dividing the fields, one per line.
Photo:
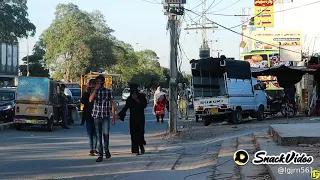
x=204 y=51
x=28 y=72
x=173 y=9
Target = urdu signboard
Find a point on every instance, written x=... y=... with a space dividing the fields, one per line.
x=264 y=13
x=272 y=40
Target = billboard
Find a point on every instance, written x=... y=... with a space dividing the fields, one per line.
x=291 y=53
x=33 y=89
x=272 y=40
x=264 y=13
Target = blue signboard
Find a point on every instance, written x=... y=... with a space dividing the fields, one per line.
x=33 y=89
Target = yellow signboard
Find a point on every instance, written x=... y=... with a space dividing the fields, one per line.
x=264 y=13
x=272 y=40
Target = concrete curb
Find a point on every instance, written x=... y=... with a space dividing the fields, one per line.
x=263 y=141
x=9 y=125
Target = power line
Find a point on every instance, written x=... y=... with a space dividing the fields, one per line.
x=252 y=17
x=196 y=6
x=210 y=7
x=156 y=2
x=212 y=13
x=229 y=29
x=227 y=6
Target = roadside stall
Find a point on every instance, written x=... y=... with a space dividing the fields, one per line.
x=287 y=76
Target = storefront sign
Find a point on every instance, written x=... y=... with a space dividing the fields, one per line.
x=264 y=13
x=272 y=40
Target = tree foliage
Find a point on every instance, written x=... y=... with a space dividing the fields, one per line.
x=36 y=62
x=78 y=42
x=14 y=22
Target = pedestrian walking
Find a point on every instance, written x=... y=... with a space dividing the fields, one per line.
x=102 y=99
x=160 y=102
x=136 y=102
x=64 y=106
x=183 y=101
x=88 y=119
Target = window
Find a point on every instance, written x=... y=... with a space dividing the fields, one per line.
x=7 y=96
x=75 y=92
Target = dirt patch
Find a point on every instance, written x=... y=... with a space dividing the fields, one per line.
x=194 y=131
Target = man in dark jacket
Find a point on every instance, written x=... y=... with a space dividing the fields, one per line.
x=88 y=119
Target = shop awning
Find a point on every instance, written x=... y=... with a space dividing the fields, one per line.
x=287 y=76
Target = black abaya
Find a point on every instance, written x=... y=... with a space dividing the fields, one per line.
x=137 y=120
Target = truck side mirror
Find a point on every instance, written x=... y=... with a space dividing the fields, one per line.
x=263 y=86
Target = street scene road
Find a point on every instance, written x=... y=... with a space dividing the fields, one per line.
x=212 y=90
x=34 y=154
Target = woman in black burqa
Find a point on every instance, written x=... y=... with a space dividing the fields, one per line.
x=136 y=102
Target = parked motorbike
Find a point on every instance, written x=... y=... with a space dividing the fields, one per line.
x=280 y=104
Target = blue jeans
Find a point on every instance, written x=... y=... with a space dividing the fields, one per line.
x=92 y=135
x=102 y=129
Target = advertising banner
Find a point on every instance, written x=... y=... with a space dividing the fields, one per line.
x=33 y=89
x=291 y=53
x=264 y=13
x=272 y=40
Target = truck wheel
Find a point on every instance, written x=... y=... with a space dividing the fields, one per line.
x=18 y=127
x=50 y=125
x=197 y=118
x=237 y=116
x=206 y=121
x=260 y=113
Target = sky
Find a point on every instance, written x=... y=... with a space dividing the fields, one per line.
x=143 y=25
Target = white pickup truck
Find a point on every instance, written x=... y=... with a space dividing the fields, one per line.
x=225 y=89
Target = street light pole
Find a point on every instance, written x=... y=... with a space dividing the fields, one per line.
x=28 y=72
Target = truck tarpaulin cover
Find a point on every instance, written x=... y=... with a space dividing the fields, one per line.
x=33 y=89
x=287 y=76
x=234 y=68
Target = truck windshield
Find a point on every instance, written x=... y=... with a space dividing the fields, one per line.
x=75 y=92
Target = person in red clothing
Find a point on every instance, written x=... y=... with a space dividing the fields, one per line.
x=160 y=103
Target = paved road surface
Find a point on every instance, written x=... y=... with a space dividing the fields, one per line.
x=36 y=154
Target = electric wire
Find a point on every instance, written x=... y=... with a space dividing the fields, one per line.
x=156 y=2
x=289 y=9
x=227 y=7
x=252 y=17
x=211 y=6
x=229 y=29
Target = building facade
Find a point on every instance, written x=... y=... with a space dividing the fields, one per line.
x=9 y=66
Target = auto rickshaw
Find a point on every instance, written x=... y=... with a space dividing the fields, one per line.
x=37 y=103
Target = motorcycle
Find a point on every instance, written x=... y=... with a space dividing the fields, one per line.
x=280 y=104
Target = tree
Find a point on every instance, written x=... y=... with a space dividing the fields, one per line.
x=14 y=22
x=65 y=41
x=36 y=63
x=100 y=44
